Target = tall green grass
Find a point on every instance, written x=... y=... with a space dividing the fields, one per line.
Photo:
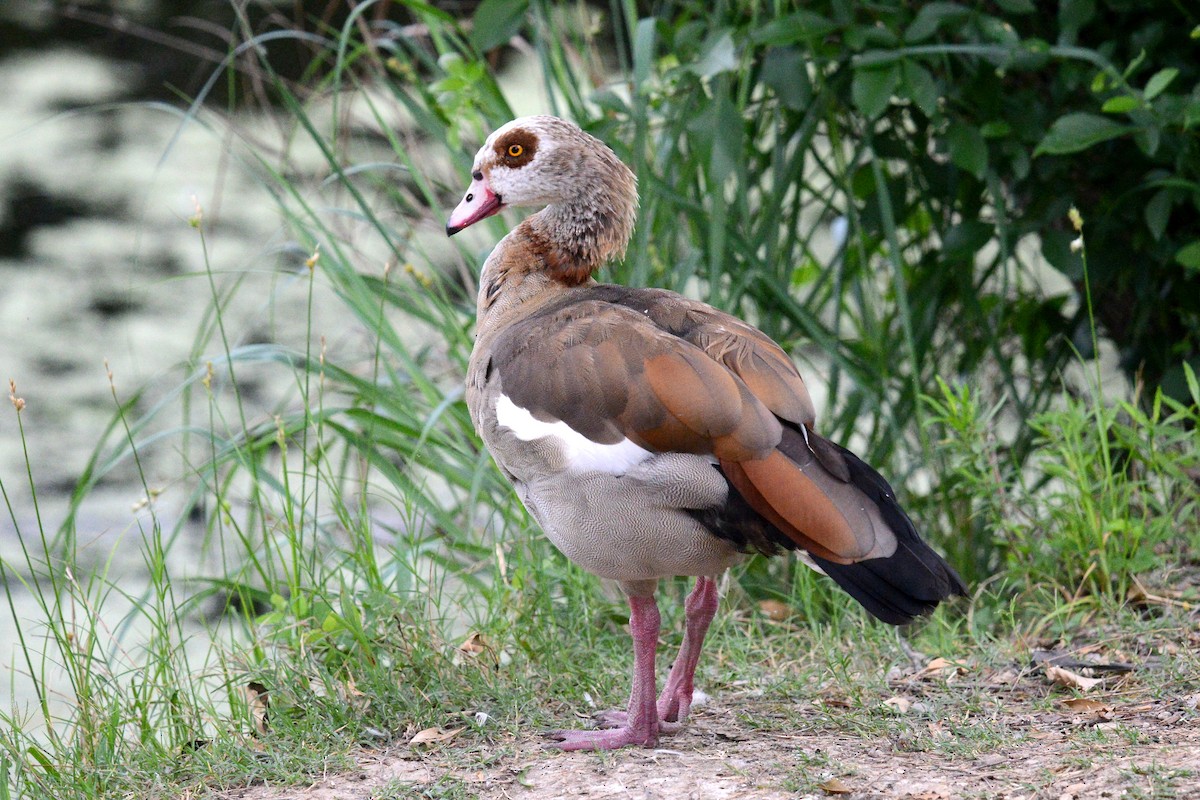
x=354 y=531
x=1108 y=498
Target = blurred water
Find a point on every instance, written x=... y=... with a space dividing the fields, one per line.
x=101 y=272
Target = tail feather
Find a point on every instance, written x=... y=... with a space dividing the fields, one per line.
x=899 y=588
x=906 y=584
x=816 y=495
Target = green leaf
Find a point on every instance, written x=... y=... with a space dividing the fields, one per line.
x=608 y=101
x=43 y=759
x=1017 y=6
x=933 y=16
x=728 y=138
x=1191 y=114
x=799 y=27
x=808 y=272
x=994 y=29
x=920 y=87
x=1158 y=82
x=1193 y=384
x=996 y=129
x=497 y=21
x=967 y=149
x=1133 y=65
x=1148 y=139
x=872 y=89
x=1158 y=213
x=718 y=56
x=964 y=240
x=1121 y=104
x=783 y=71
x=1189 y=256
x=1074 y=14
x=1079 y=131
x=644 y=37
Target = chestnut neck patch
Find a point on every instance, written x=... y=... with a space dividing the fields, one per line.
x=567 y=264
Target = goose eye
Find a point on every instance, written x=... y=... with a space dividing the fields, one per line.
x=515 y=150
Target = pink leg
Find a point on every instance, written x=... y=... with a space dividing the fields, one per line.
x=641 y=720
x=676 y=697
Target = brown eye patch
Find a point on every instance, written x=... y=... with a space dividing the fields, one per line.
x=516 y=148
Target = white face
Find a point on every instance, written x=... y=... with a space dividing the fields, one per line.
x=511 y=160
x=523 y=163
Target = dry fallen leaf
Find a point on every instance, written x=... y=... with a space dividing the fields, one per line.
x=1085 y=705
x=775 y=610
x=1140 y=595
x=900 y=705
x=1006 y=677
x=836 y=702
x=257 y=702
x=352 y=696
x=834 y=786
x=474 y=645
x=1071 y=680
x=434 y=735
x=938 y=668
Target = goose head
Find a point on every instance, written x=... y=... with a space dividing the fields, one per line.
x=589 y=195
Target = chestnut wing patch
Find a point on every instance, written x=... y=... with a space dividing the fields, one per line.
x=743 y=349
x=814 y=508
x=611 y=374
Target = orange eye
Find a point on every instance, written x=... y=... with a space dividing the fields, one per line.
x=515 y=150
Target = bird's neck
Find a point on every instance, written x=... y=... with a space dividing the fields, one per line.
x=523 y=272
x=572 y=239
x=558 y=249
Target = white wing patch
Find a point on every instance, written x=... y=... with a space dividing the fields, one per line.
x=583 y=455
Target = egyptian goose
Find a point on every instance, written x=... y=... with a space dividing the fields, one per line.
x=651 y=435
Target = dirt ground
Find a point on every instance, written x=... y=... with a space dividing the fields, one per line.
x=1034 y=741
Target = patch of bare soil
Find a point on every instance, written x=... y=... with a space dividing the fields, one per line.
x=748 y=748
